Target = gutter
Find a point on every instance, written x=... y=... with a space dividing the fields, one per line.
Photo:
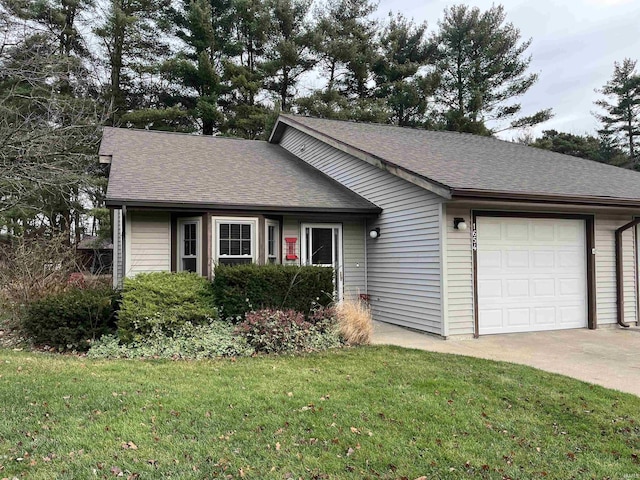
x=619 y=272
x=469 y=194
x=133 y=203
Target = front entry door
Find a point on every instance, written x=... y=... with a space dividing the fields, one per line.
x=322 y=247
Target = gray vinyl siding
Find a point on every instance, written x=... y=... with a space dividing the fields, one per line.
x=117 y=248
x=459 y=274
x=353 y=249
x=605 y=227
x=149 y=242
x=403 y=265
x=353 y=238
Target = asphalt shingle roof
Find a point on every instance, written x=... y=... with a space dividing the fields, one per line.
x=169 y=168
x=465 y=162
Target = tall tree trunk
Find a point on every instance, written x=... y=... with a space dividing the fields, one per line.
x=332 y=75
x=117 y=101
x=283 y=89
x=630 y=134
x=460 y=84
x=207 y=127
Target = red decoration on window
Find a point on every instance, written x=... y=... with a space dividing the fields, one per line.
x=291 y=248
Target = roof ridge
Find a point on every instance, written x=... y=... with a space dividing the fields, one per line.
x=183 y=134
x=450 y=132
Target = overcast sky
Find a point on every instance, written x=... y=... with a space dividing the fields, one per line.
x=575 y=43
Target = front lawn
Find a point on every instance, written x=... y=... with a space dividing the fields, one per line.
x=375 y=412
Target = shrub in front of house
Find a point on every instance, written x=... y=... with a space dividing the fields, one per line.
x=278 y=331
x=71 y=319
x=242 y=288
x=165 y=301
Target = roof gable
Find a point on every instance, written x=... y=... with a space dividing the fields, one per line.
x=471 y=165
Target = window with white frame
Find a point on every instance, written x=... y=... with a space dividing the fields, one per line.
x=273 y=241
x=235 y=241
x=189 y=245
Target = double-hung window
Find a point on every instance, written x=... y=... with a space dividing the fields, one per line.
x=189 y=239
x=273 y=241
x=235 y=241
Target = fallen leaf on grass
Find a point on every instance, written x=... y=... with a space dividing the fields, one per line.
x=129 y=446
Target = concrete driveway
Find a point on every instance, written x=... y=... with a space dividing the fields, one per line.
x=608 y=356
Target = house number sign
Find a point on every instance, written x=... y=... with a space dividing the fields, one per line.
x=474 y=238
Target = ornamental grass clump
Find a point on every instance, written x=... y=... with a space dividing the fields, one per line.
x=355 y=323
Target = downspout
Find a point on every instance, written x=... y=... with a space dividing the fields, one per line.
x=619 y=272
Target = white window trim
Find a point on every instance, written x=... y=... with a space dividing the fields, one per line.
x=277 y=242
x=304 y=255
x=253 y=221
x=186 y=221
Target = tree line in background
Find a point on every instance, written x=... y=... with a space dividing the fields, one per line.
x=228 y=67
x=617 y=141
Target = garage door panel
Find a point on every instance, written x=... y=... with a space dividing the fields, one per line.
x=517 y=258
x=543 y=259
x=544 y=287
x=543 y=232
x=491 y=318
x=531 y=274
x=516 y=231
x=491 y=259
x=518 y=287
x=571 y=315
x=518 y=317
x=490 y=289
x=544 y=316
x=571 y=259
x=571 y=233
x=570 y=287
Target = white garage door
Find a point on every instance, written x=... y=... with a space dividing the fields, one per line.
x=531 y=274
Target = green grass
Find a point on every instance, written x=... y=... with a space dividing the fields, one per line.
x=376 y=412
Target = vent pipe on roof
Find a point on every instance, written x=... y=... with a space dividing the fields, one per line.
x=619 y=272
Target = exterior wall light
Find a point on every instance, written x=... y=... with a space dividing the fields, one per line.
x=459 y=224
x=374 y=233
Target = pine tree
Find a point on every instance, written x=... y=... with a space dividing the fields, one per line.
x=347 y=49
x=60 y=19
x=131 y=34
x=483 y=69
x=621 y=120
x=400 y=74
x=205 y=27
x=289 y=51
x=243 y=72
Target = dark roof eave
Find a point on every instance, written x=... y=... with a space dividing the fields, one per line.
x=132 y=203
x=471 y=194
